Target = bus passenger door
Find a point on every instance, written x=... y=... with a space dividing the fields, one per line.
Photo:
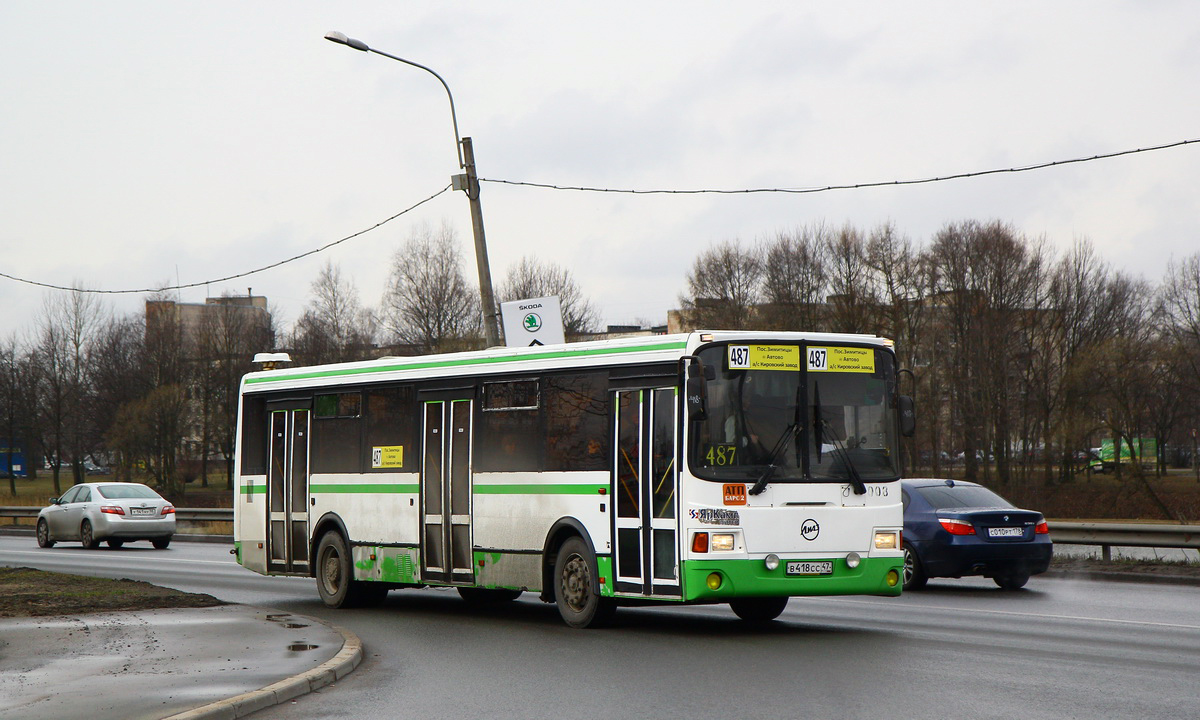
x=446 y=489
x=645 y=475
x=287 y=492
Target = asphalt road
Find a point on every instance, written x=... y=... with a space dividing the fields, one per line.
x=962 y=648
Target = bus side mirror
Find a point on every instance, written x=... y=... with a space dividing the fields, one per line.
x=908 y=416
x=696 y=390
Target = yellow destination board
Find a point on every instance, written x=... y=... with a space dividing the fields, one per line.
x=388 y=456
x=764 y=357
x=841 y=359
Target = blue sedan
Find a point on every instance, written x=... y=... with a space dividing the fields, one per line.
x=954 y=528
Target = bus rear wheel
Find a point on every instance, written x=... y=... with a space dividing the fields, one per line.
x=335 y=576
x=758 y=609
x=575 y=584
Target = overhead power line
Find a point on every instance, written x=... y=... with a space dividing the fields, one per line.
x=580 y=188
x=849 y=186
x=230 y=277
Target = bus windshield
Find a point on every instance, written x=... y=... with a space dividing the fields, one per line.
x=801 y=413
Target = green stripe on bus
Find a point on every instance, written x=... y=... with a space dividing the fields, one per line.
x=254 y=489
x=559 y=489
x=551 y=355
x=364 y=488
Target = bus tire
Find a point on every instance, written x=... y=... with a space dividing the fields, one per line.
x=758 y=609
x=335 y=576
x=575 y=583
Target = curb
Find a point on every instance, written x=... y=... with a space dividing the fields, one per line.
x=328 y=672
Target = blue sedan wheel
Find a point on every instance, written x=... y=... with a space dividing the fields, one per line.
x=914 y=576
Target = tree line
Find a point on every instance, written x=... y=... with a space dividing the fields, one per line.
x=153 y=395
x=1022 y=357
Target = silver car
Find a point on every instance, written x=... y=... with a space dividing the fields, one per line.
x=115 y=512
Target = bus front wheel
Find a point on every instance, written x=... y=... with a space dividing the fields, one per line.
x=758 y=609
x=335 y=576
x=575 y=584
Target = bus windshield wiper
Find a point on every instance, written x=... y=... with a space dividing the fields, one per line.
x=826 y=431
x=789 y=431
x=780 y=444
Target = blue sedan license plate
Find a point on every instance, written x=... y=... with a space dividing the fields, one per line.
x=809 y=567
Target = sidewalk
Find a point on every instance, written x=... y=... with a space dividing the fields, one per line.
x=219 y=662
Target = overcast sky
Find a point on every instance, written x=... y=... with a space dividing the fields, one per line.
x=154 y=143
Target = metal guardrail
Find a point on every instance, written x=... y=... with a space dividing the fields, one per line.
x=181 y=514
x=1109 y=535
x=1106 y=535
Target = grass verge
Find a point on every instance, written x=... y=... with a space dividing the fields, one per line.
x=25 y=592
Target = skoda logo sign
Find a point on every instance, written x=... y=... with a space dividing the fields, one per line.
x=532 y=322
x=809 y=529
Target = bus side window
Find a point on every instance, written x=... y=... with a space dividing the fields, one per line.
x=577 y=430
x=254 y=435
x=391 y=423
x=508 y=436
x=336 y=433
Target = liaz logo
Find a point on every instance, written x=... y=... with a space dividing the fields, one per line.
x=809 y=529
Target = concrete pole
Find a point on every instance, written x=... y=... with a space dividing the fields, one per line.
x=487 y=299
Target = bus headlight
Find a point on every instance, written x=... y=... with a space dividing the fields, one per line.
x=722 y=542
x=887 y=540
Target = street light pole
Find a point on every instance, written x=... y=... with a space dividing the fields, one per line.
x=468 y=182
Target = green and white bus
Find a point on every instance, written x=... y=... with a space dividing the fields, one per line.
x=711 y=467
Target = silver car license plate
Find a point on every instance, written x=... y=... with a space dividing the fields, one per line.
x=141 y=511
x=809 y=567
x=1005 y=532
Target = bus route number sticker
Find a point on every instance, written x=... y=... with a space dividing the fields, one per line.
x=739 y=357
x=387 y=456
x=818 y=359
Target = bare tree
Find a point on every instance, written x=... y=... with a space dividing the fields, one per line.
x=794 y=280
x=66 y=326
x=723 y=287
x=334 y=327
x=428 y=301
x=853 y=298
x=531 y=278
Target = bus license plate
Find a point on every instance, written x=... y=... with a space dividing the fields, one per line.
x=1005 y=532
x=808 y=567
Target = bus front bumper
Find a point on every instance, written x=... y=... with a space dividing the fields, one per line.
x=751 y=578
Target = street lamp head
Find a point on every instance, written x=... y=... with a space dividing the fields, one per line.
x=341 y=39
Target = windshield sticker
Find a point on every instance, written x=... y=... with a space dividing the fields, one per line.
x=841 y=359
x=734 y=493
x=716 y=516
x=764 y=357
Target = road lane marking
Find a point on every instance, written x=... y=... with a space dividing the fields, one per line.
x=1011 y=613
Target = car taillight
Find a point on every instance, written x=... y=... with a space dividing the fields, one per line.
x=1042 y=528
x=957 y=527
x=168 y=510
x=112 y=509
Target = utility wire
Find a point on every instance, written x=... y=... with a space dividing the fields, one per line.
x=579 y=188
x=230 y=277
x=853 y=186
